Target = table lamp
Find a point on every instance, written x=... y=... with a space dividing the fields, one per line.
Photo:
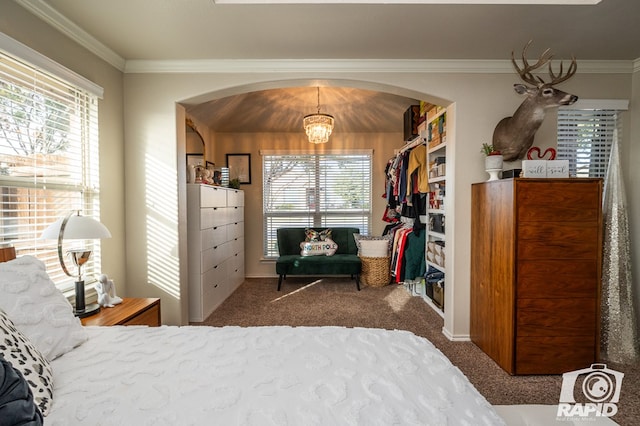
x=76 y=227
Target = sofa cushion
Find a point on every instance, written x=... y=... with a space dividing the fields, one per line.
x=338 y=264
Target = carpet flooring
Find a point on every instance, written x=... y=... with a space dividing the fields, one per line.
x=336 y=302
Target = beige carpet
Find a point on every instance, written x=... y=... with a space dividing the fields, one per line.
x=335 y=301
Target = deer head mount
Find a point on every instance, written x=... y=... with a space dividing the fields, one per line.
x=513 y=136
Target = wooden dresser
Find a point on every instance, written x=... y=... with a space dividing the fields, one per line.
x=536 y=253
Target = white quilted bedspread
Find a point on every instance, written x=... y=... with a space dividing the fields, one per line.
x=261 y=376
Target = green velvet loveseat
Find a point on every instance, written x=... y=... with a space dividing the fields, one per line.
x=344 y=261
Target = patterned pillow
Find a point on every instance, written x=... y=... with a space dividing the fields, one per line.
x=372 y=246
x=318 y=248
x=37 y=308
x=24 y=357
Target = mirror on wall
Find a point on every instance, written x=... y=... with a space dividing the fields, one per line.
x=194 y=142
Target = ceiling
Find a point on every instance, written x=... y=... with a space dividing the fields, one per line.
x=187 y=30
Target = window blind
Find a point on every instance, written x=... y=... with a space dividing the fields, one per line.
x=585 y=137
x=48 y=162
x=315 y=190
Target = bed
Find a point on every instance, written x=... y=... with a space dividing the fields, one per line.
x=197 y=375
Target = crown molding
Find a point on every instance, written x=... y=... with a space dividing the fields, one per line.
x=352 y=65
x=60 y=22
x=47 y=13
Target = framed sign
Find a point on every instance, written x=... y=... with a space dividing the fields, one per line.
x=239 y=167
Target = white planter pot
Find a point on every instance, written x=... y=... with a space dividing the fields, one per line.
x=493 y=162
x=493 y=165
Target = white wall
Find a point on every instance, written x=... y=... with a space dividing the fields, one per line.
x=481 y=100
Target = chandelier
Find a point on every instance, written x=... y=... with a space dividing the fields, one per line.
x=318 y=126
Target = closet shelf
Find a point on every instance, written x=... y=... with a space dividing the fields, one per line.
x=437 y=235
x=435 y=265
x=438 y=147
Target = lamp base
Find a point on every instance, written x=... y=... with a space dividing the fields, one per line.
x=88 y=310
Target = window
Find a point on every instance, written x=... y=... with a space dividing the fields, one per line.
x=586 y=133
x=309 y=189
x=48 y=159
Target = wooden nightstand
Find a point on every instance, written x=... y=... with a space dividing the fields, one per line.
x=132 y=311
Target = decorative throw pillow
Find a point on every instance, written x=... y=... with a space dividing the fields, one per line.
x=313 y=235
x=319 y=248
x=373 y=246
x=25 y=358
x=37 y=308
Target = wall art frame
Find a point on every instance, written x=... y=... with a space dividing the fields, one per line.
x=240 y=167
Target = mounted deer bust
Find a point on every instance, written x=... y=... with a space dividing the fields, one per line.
x=513 y=136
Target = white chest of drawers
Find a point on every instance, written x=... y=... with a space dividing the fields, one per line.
x=215 y=233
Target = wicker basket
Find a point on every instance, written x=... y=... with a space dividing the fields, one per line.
x=375 y=271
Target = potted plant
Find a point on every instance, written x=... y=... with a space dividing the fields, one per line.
x=493 y=160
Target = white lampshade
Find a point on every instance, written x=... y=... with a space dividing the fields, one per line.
x=76 y=228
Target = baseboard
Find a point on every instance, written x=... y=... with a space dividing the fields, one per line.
x=456 y=337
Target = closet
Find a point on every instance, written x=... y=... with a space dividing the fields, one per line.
x=415 y=191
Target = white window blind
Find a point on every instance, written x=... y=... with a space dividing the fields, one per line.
x=315 y=190
x=48 y=162
x=585 y=137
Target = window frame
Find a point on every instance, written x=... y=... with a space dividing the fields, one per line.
x=585 y=134
x=37 y=197
x=316 y=214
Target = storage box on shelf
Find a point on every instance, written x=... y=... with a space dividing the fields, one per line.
x=215 y=232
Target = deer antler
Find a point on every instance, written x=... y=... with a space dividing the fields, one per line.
x=525 y=72
x=555 y=79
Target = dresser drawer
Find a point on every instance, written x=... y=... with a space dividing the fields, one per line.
x=215 y=256
x=212 y=197
x=235 y=230
x=554 y=355
x=212 y=237
x=556 y=317
x=235 y=198
x=149 y=317
x=555 y=201
x=556 y=279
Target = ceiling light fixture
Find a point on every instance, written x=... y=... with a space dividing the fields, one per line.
x=318 y=126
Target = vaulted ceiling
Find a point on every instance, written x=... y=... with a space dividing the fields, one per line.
x=158 y=32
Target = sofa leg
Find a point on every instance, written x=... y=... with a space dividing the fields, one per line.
x=358 y=282
x=279 y=282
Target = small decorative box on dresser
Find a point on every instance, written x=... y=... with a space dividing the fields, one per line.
x=132 y=311
x=215 y=232
x=536 y=253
